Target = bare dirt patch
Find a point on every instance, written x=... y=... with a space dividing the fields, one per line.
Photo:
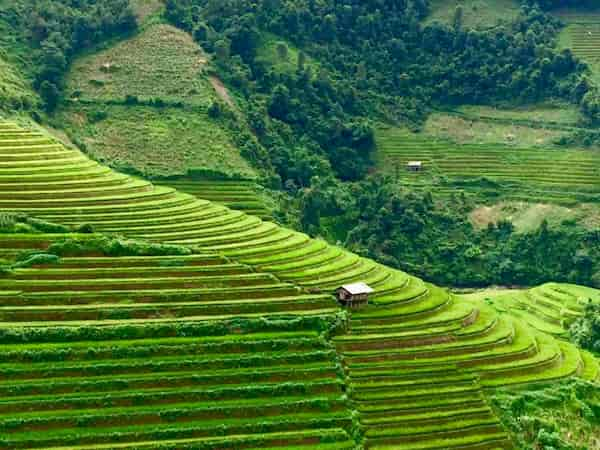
x=221 y=91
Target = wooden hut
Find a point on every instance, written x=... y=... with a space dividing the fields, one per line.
x=414 y=166
x=355 y=295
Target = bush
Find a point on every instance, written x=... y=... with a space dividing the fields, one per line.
x=35 y=260
x=585 y=331
x=131 y=99
x=97 y=116
x=114 y=247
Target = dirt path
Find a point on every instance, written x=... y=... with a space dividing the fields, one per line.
x=221 y=91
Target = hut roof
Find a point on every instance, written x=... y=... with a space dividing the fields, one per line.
x=414 y=163
x=357 y=288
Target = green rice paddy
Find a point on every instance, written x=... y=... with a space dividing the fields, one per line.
x=238 y=343
x=492 y=171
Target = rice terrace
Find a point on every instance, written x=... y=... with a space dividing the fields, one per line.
x=299 y=225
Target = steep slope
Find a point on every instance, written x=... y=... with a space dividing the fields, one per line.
x=240 y=195
x=415 y=346
x=142 y=105
x=132 y=352
x=582 y=36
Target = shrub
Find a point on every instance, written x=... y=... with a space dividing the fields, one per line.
x=131 y=99
x=114 y=247
x=97 y=116
x=585 y=331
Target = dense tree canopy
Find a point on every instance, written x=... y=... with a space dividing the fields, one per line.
x=379 y=219
x=375 y=58
x=57 y=30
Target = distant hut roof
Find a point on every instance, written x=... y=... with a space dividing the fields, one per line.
x=357 y=288
x=414 y=163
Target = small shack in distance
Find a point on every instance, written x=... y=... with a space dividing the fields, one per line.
x=414 y=166
x=354 y=295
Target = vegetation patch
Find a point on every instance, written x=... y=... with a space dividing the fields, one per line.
x=160 y=62
x=155 y=141
x=146 y=8
x=527 y=217
x=480 y=14
x=473 y=130
x=582 y=36
x=15 y=93
x=564 y=416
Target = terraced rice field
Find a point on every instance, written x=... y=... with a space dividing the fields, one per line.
x=416 y=362
x=550 y=308
x=521 y=174
x=582 y=35
x=164 y=389
x=239 y=195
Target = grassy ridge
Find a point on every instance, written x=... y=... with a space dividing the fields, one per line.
x=550 y=308
x=240 y=195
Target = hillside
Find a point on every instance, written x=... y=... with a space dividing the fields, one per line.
x=185 y=184
x=491 y=173
x=582 y=35
x=142 y=105
x=441 y=350
x=475 y=13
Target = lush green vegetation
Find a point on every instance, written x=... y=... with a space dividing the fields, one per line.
x=53 y=32
x=585 y=331
x=152 y=91
x=581 y=36
x=353 y=81
x=242 y=195
x=115 y=327
x=382 y=219
x=557 y=309
x=474 y=13
x=182 y=140
x=160 y=62
x=562 y=416
x=135 y=315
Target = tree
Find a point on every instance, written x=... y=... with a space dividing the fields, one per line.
x=222 y=50
x=457 y=21
x=282 y=51
x=301 y=60
x=50 y=94
x=279 y=106
x=585 y=331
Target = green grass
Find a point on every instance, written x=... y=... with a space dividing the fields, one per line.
x=476 y=13
x=582 y=36
x=491 y=172
x=473 y=128
x=15 y=92
x=527 y=217
x=160 y=62
x=550 y=308
x=156 y=142
x=543 y=114
x=145 y=9
x=287 y=63
x=241 y=195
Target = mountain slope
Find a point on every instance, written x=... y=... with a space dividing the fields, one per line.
x=434 y=346
x=142 y=105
